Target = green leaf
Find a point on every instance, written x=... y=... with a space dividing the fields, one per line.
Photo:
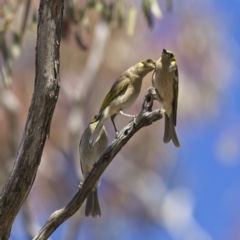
x=85 y=23
x=131 y=21
x=33 y=23
x=6 y=74
x=80 y=42
x=155 y=9
x=16 y=46
x=4 y=47
x=6 y=66
x=91 y=3
x=146 y=7
x=25 y=17
x=99 y=7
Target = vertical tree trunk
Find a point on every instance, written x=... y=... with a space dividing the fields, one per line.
x=46 y=90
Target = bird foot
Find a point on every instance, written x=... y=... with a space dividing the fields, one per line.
x=155 y=94
x=127 y=115
x=134 y=120
x=80 y=185
x=117 y=134
x=162 y=110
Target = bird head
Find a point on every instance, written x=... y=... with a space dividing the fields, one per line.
x=146 y=65
x=167 y=56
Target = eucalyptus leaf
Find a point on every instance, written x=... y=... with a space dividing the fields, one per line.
x=121 y=13
x=146 y=7
x=131 y=21
x=156 y=10
x=33 y=23
x=16 y=46
x=79 y=41
x=85 y=23
x=91 y=3
x=25 y=17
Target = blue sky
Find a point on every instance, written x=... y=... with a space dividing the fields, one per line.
x=216 y=185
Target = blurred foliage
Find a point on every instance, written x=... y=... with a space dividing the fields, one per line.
x=117 y=13
x=10 y=38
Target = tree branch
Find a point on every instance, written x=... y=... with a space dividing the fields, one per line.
x=46 y=90
x=145 y=118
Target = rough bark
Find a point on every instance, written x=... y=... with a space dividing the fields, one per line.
x=46 y=90
x=145 y=118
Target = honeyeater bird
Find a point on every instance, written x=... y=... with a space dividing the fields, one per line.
x=122 y=95
x=89 y=155
x=165 y=81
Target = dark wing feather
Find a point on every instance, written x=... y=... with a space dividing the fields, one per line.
x=175 y=91
x=80 y=161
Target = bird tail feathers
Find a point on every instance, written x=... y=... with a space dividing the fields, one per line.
x=169 y=131
x=93 y=138
x=92 y=205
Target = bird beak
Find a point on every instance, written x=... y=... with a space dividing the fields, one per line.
x=164 y=51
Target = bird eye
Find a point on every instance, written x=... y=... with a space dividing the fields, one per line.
x=149 y=60
x=170 y=55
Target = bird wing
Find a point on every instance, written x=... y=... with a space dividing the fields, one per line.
x=80 y=160
x=153 y=77
x=175 y=92
x=117 y=88
x=153 y=84
x=81 y=167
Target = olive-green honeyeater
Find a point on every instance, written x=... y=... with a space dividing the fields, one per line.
x=122 y=95
x=165 y=81
x=89 y=155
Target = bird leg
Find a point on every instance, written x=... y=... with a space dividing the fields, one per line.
x=128 y=115
x=112 y=118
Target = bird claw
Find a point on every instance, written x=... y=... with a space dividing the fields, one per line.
x=134 y=120
x=162 y=110
x=117 y=134
x=155 y=94
x=80 y=185
x=151 y=90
